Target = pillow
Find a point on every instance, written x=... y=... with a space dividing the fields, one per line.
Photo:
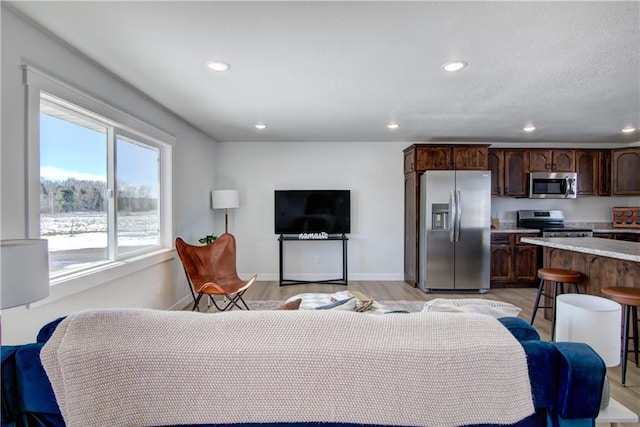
x=343 y=304
x=493 y=308
x=290 y=305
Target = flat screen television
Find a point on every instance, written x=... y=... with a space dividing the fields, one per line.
x=312 y=211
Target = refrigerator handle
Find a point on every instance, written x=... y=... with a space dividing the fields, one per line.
x=452 y=216
x=458 y=215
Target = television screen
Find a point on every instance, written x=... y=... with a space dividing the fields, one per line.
x=312 y=211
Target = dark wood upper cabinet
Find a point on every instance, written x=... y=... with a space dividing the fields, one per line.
x=472 y=157
x=563 y=161
x=495 y=160
x=540 y=161
x=516 y=165
x=420 y=158
x=552 y=161
x=626 y=172
x=604 y=172
x=434 y=158
x=587 y=170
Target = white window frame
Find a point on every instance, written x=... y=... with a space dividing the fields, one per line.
x=37 y=82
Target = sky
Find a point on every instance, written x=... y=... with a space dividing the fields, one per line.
x=69 y=150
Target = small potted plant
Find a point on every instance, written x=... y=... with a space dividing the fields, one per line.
x=206 y=240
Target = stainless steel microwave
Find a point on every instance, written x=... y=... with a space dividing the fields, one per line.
x=553 y=185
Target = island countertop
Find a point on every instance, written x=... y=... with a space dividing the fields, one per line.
x=629 y=251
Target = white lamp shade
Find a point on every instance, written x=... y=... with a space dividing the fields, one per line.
x=25 y=271
x=225 y=199
x=592 y=320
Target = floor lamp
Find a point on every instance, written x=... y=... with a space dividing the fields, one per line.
x=225 y=199
x=25 y=271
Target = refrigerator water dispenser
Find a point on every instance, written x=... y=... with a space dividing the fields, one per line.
x=439 y=216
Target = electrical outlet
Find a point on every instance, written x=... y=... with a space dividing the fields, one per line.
x=317 y=259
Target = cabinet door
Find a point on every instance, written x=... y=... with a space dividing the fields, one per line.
x=604 y=235
x=525 y=263
x=540 y=161
x=587 y=169
x=604 y=172
x=434 y=158
x=626 y=172
x=627 y=237
x=495 y=160
x=411 y=228
x=470 y=158
x=563 y=161
x=516 y=165
x=501 y=263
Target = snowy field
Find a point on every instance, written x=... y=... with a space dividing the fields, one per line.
x=82 y=230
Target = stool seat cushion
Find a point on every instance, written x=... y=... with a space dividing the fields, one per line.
x=623 y=295
x=559 y=275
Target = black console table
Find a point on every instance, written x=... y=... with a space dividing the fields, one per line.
x=294 y=238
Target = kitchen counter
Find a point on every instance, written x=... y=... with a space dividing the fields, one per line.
x=595 y=230
x=516 y=230
x=628 y=251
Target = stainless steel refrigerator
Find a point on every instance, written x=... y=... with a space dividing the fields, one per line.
x=455 y=235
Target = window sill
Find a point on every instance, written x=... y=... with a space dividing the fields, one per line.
x=63 y=287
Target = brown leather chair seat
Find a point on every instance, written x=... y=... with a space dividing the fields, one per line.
x=629 y=298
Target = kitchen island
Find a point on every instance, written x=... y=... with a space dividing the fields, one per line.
x=602 y=262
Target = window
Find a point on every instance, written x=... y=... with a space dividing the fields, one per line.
x=103 y=180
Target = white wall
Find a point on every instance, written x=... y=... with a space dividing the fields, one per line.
x=373 y=173
x=160 y=286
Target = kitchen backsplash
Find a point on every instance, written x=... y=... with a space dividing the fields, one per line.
x=504 y=225
x=585 y=210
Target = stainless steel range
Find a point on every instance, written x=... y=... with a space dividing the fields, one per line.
x=551 y=223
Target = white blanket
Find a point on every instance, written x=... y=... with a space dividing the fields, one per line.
x=132 y=367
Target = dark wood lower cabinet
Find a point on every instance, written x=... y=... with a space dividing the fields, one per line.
x=501 y=263
x=628 y=237
x=513 y=263
x=411 y=216
x=597 y=271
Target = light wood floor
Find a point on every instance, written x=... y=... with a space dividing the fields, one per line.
x=629 y=396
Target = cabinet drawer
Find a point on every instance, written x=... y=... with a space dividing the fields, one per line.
x=501 y=239
x=519 y=237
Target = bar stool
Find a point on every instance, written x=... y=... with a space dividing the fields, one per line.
x=629 y=298
x=559 y=277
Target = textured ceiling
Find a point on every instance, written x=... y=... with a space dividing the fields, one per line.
x=340 y=71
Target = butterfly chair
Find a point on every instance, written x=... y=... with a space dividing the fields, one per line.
x=211 y=271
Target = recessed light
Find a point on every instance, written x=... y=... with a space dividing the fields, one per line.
x=261 y=126
x=628 y=129
x=529 y=128
x=454 y=65
x=393 y=126
x=218 y=65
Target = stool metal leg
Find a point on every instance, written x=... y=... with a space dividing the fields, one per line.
x=538 y=295
x=553 y=315
x=625 y=340
x=575 y=288
x=634 y=318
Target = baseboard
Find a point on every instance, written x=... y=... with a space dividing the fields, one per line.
x=378 y=277
x=181 y=304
